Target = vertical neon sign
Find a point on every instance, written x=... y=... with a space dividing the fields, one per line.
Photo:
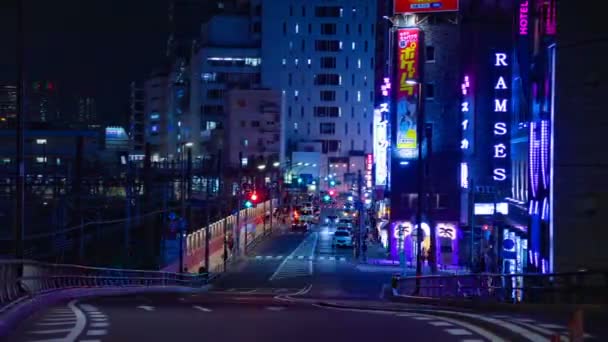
x=407 y=93
x=369 y=161
x=381 y=135
x=501 y=105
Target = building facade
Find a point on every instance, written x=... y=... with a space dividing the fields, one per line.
x=321 y=56
x=8 y=105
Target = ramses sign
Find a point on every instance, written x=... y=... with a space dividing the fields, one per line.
x=500 y=149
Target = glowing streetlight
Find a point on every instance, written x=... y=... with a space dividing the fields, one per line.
x=261 y=167
x=276 y=164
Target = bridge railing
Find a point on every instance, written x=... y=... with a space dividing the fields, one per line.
x=585 y=287
x=24 y=279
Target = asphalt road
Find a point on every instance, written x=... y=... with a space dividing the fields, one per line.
x=289 y=288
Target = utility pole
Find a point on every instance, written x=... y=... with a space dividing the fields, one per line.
x=419 y=209
x=471 y=214
x=433 y=233
x=239 y=202
x=20 y=163
x=208 y=214
x=182 y=225
x=361 y=214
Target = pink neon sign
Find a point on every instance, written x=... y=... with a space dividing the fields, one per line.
x=523 y=18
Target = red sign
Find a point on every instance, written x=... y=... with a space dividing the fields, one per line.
x=425 y=6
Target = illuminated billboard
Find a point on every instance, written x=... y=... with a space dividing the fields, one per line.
x=407 y=92
x=425 y=6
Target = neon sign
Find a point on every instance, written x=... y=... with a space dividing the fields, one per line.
x=500 y=149
x=446 y=230
x=466 y=108
x=408 y=41
x=369 y=161
x=381 y=135
x=523 y=18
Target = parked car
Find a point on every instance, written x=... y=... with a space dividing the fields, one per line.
x=342 y=239
x=298 y=225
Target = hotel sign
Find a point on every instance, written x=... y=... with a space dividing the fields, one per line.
x=501 y=115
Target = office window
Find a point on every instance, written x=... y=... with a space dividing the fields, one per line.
x=326 y=79
x=371 y=128
x=327 y=128
x=303 y=45
x=297 y=28
x=215 y=94
x=352 y=79
x=243 y=123
x=309 y=28
x=328 y=11
x=353 y=46
x=309 y=62
x=257 y=27
x=289 y=112
x=345 y=128
x=359 y=128
x=429 y=91
x=364 y=144
x=372 y=29
x=326 y=112
x=346 y=62
x=371 y=96
x=430 y=53
x=295 y=62
x=296 y=94
x=352 y=145
x=360 y=29
x=302 y=112
x=290 y=78
x=328 y=28
x=303 y=11
x=327 y=95
x=358 y=95
x=371 y=63
x=352 y=112
x=366 y=45
x=327 y=45
x=308 y=128
x=328 y=62
x=291 y=11
x=284 y=28
x=295 y=127
x=245 y=142
x=255 y=123
x=347 y=29
x=284 y=62
x=359 y=63
x=346 y=95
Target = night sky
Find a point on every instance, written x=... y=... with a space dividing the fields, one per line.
x=88 y=47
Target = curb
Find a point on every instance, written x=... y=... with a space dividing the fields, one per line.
x=15 y=315
x=490 y=306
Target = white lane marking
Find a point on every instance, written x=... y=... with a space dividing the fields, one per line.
x=56 y=319
x=51 y=331
x=300 y=257
x=97 y=332
x=282 y=264
x=540 y=330
x=99 y=325
x=321 y=258
x=279 y=257
x=332 y=258
x=70 y=322
x=422 y=318
x=471 y=340
x=552 y=326
x=81 y=321
x=146 y=307
x=458 y=332
x=99 y=319
x=275 y=308
x=90 y=340
x=509 y=326
x=289 y=257
x=342 y=259
x=526 y=320
x=269 y=257
x=198 y=307
x=258 y=257
x=310 y=257
x=181 y=299
x=441 y=324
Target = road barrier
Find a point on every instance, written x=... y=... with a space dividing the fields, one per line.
x=585 y=287
x=21 y=280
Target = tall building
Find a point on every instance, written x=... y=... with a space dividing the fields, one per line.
x=253 y=127
x=227 y=57
x=42 y=102
x=320 y=55
x=157 y=121
x=87 y=111
x=137 y=122
x=8 y=105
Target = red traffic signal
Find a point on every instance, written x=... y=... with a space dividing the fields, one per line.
x=254 y=197
x=332 y=192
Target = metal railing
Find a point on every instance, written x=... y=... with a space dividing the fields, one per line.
x=24 y=279
x=585 y=287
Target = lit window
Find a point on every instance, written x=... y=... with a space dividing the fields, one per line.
x=309 y=61
x=295 y=93
x=295 y=126
x=358 y=96
x=353 y=46
x=297 y=28
x=40 y=141
x=296 y=61
x=245 y=142
x=179 y=124
x=40 y=159
x=359 y=63
x=340 y=45
x=284 y=61
x=244 y=161
x=210 y=125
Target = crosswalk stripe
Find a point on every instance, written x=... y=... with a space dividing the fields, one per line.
x=342 y=259
x=269 y=257
x=300 y=257
x=332 y=258
x=258 y=257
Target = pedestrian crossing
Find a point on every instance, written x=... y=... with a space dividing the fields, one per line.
x=336 y=258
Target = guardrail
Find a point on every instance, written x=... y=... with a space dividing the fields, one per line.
x=24 y=279
x=585 y=287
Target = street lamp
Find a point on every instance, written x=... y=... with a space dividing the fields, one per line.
x=261 y=167
x=276 y=164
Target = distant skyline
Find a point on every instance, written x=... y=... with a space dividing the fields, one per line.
x=87 y=48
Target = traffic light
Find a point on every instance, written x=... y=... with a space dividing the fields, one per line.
x=248 y=204
x=332 y=183
x=326 y=198
x=253 y=198
x=332 y=192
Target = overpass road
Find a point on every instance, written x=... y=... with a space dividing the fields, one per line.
x=290 y=287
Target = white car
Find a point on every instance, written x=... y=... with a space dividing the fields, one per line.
x=342 y=239
x=344 y=228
